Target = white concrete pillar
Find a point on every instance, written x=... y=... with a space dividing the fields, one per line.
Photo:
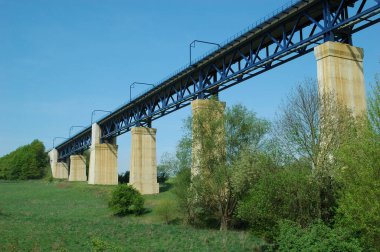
x=61 y=170
x=143 y=169
x=103 y=160
x=208 y=124
x=53 y=155
x=77 y=168
x=340 y=75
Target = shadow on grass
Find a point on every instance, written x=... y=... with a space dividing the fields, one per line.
x=143 y=212
x=165 y=187
x=2 y=214
x=175 y=221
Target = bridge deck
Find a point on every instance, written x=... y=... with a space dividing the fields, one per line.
x=290 y=33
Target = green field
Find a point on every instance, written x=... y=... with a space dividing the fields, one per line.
x=63 y=216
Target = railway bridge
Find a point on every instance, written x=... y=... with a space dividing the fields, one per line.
x=324 y=27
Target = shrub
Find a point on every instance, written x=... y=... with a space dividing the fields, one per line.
x=126 y=200
x=287 y=193
x=317 y=237
x=166 y=210
x=182 y=191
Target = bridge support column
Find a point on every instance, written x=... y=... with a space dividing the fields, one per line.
x=77 y=168
x=61 y=171
x=53 y=155
x=103 y=160
x=340 y=75
x=143 y=169
x=208 y=133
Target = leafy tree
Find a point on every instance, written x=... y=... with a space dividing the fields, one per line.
x=169 y=165
x=359 y=202
x=27 y=162
x=305 y=126
x=374 y=106
x=211 y=197
x=309 y=128
x=244 y=131
x=184 y=147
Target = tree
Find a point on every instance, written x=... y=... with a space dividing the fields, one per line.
x=359 y=176
x=27 y=162
x=244 y=131
x=374 y=106
x=309 y=128
x=169 y=165
x=183 y=150
x=213 y=198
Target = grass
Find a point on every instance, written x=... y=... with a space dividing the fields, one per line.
x=63 y=216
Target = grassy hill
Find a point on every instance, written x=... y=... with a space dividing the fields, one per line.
x=63 y=216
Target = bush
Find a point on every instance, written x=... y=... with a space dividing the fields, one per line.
x=167 y=210
x=181 y=189
x=287 y=193
x=126 y=200
x=317 y=237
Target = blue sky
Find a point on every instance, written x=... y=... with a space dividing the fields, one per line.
x=61 y=59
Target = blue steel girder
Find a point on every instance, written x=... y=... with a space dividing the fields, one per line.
x=77 y=144
x=288 y=35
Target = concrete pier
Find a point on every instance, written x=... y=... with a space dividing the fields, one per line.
x=103 y=160
x=53 y=155
x=77 y=168
x=143 y=169
x=340 y=75
x=208 y=133
x=61 y=170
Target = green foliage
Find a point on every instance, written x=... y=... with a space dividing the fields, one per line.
x=316 y=237
x=374 y=106
x=126 y=200
x=183 y=151
x=27 y=162
x=359 y=202
x=167 y=210
x=123 y=178
x=220 y=138
x=285 y=193
x=181 y=189
x=244 y=130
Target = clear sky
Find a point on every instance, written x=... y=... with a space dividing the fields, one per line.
x=61 y=59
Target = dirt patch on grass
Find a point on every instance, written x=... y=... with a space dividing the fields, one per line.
x=63 y=185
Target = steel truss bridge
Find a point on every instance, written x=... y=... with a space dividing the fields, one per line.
x=290 y=33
